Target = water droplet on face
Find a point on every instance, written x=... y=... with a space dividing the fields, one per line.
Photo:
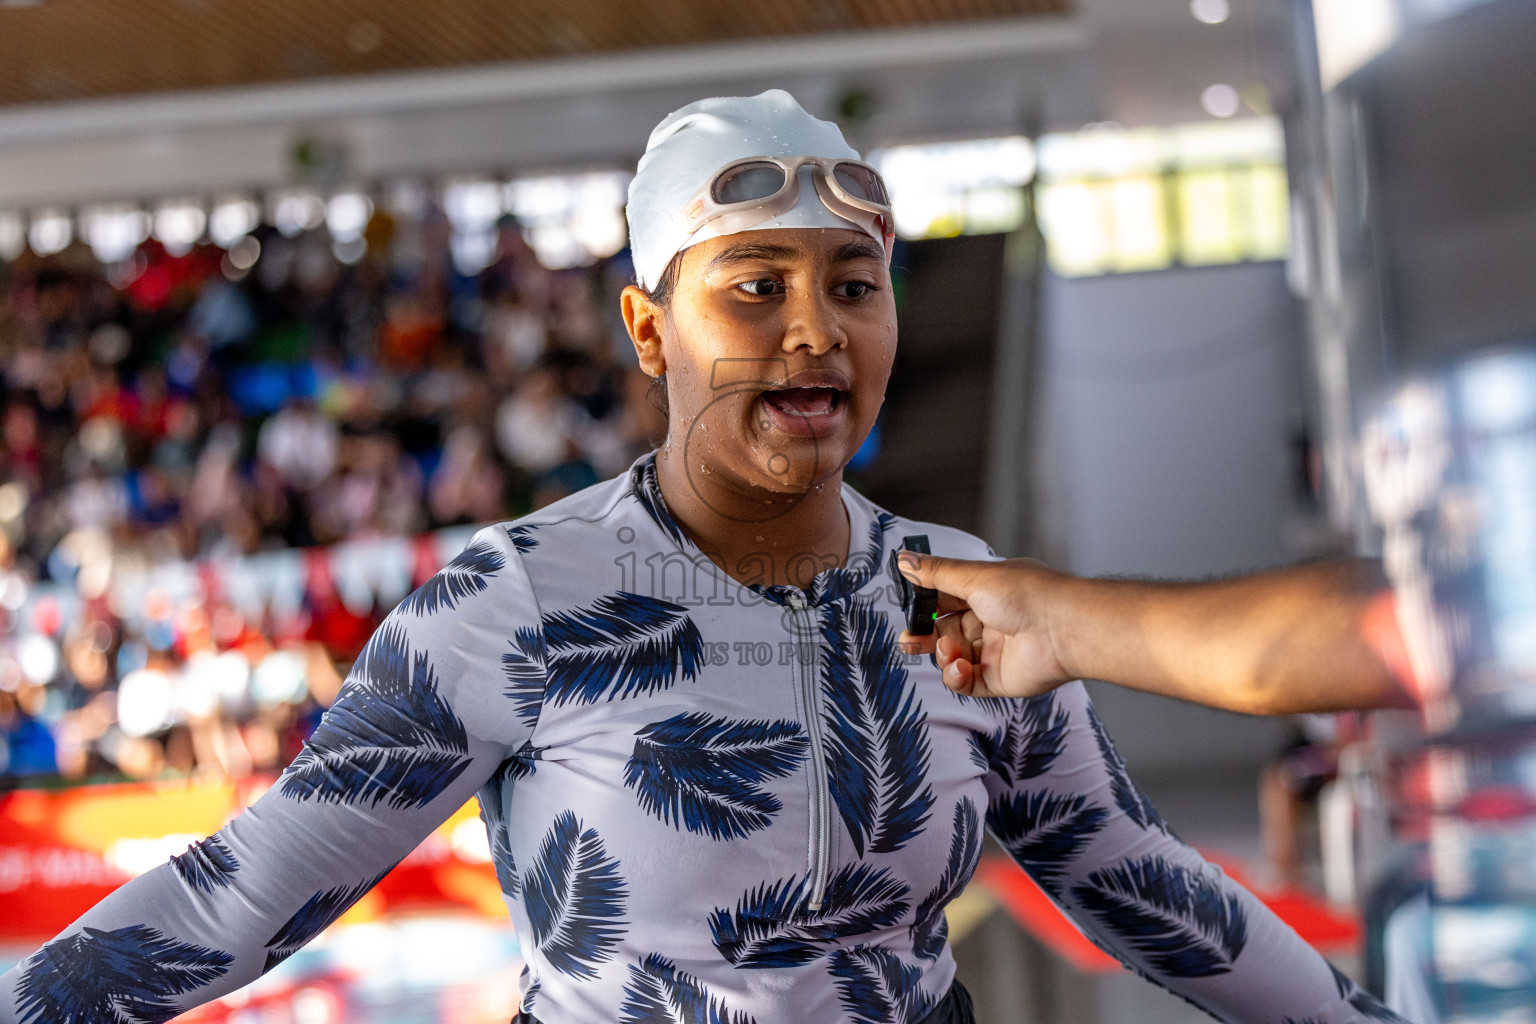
x=703 y=469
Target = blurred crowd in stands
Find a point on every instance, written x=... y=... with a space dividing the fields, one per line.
x=218 y=403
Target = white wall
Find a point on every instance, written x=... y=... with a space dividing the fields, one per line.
x=1168 y=399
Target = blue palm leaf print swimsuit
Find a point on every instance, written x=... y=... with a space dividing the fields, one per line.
x=705 y=800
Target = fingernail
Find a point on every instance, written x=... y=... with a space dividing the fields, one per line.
x=906 y=561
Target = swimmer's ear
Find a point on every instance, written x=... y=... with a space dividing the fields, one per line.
x=643 y=319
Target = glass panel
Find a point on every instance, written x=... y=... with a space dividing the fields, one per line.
x=993 y=210
x=1072 y=219
x=956 y=166
x=1207 y=230
x=1102 y=152
x=1248 y=140
x=1140 y=239
x=1270 y=213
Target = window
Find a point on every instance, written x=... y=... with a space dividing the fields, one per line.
x=1115 y=200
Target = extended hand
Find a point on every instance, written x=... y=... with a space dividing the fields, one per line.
x=1303 y=639
x=993 y=636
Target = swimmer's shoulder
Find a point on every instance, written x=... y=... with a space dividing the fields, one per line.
x=570 y=551
x=571 y=520
x=945 y=541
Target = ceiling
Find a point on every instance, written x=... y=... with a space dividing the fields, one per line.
x=53 y=50
x=106 y=100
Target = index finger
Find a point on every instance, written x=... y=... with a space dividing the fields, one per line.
x=909 y=644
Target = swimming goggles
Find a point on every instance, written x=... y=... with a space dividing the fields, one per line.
x=747 y=192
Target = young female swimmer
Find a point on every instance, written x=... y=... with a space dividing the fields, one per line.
x=717 y=795
x=1311 y=638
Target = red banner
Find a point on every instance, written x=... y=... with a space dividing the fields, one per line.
x=61 y=851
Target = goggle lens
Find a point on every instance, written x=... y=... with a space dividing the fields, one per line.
x=748 y=183
x=862 y=183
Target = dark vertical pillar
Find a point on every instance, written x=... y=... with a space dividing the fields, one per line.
x=1009 y=485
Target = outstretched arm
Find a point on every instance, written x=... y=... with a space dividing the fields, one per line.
x=1062 y=804
x=1311 y=638
x=425 y=718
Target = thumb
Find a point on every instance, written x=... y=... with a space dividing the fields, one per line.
x=955 y=576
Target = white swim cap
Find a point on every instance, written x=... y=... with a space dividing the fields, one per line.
x=692 y=143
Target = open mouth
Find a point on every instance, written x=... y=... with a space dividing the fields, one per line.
x=813 y=411
x=813 y=401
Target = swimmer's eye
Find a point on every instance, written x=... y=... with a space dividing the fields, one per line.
x=853 y=289
x=762 y=288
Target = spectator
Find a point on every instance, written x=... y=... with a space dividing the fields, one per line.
x=467 y=486
x=299 y=444
x=177 y=407
x=26 y=745
x=536 y=424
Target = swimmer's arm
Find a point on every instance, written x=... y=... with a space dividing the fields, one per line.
x=229 y=909
x=426 y=718
x=1062 y=803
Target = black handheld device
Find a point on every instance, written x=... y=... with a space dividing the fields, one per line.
x=921 y=604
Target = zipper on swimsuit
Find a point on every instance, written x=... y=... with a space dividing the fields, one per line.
x=821 y=805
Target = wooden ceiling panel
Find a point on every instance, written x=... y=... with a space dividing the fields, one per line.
x=53 y=50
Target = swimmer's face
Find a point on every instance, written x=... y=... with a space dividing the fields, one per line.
x=777 y=346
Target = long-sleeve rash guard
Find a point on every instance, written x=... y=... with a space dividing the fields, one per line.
x=706 y=802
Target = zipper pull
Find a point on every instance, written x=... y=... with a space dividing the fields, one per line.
x=796 y=600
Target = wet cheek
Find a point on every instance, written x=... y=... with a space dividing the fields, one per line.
x=875 y=350
x=874 y=375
